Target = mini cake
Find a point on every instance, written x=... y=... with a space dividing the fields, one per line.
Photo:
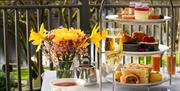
x=131 y=8
x=141 y=11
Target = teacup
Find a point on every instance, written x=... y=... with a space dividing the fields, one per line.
x=68 y=84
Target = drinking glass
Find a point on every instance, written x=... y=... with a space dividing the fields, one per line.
x=156 y=61
x=170 y=59
x=114 y=49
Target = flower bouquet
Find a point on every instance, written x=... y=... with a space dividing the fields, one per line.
x=63 y=45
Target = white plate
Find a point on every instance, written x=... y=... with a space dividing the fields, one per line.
x=162 y=49
x=130 y=21
x=165 y=79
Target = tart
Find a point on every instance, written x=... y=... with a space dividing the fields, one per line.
x=152 y=46
x=130 y=46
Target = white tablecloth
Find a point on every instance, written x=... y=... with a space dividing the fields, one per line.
x=49 y=76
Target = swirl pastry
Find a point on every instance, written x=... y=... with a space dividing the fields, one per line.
x=139 y=70
x=130 y=79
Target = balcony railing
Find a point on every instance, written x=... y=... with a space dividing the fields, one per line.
x=16 y=22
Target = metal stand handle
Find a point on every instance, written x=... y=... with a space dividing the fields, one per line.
x=100 y=61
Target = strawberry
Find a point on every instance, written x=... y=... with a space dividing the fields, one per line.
x=151 y=39
x=145 y=39
x=148 y=39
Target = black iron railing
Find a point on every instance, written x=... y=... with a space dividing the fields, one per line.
x=16 y=18
x=28 y=12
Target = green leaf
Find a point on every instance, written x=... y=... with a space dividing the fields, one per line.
x=38 y=47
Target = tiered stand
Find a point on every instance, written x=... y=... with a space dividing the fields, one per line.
x=162 y=49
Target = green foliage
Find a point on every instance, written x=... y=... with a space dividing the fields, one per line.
x=24 y=74
x=2 y=82
x=12 y=83
x=35 y=68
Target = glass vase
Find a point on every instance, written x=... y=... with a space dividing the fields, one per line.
x=64 y=69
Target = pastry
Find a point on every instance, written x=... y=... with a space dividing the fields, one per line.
x=118 y=74
x=138 y=35
x=148 y=67
x=128 y=17
x=155 y=77
x=144 y=80
x=140 y=72
x=130 y=79
x=155 y=16
x=124 y=12
x=127 y=38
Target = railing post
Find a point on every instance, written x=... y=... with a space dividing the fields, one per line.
x=6 y=55
x=85 y=19
x=85 y=15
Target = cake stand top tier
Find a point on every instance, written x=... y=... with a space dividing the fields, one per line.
x=115 y=18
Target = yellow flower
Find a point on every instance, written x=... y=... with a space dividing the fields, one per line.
x=59 y=34
x=96 y=38
x=85 y=44
x=67 y=34
x=76 y=31
x=57 y=38
x=70 y=35
x=95 y=29
x=38 y=38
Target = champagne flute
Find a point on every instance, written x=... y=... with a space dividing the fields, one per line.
x=113 y=54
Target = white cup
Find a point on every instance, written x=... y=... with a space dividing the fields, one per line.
x=79 y=86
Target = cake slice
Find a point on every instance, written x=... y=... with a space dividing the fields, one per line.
x=144 y=80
